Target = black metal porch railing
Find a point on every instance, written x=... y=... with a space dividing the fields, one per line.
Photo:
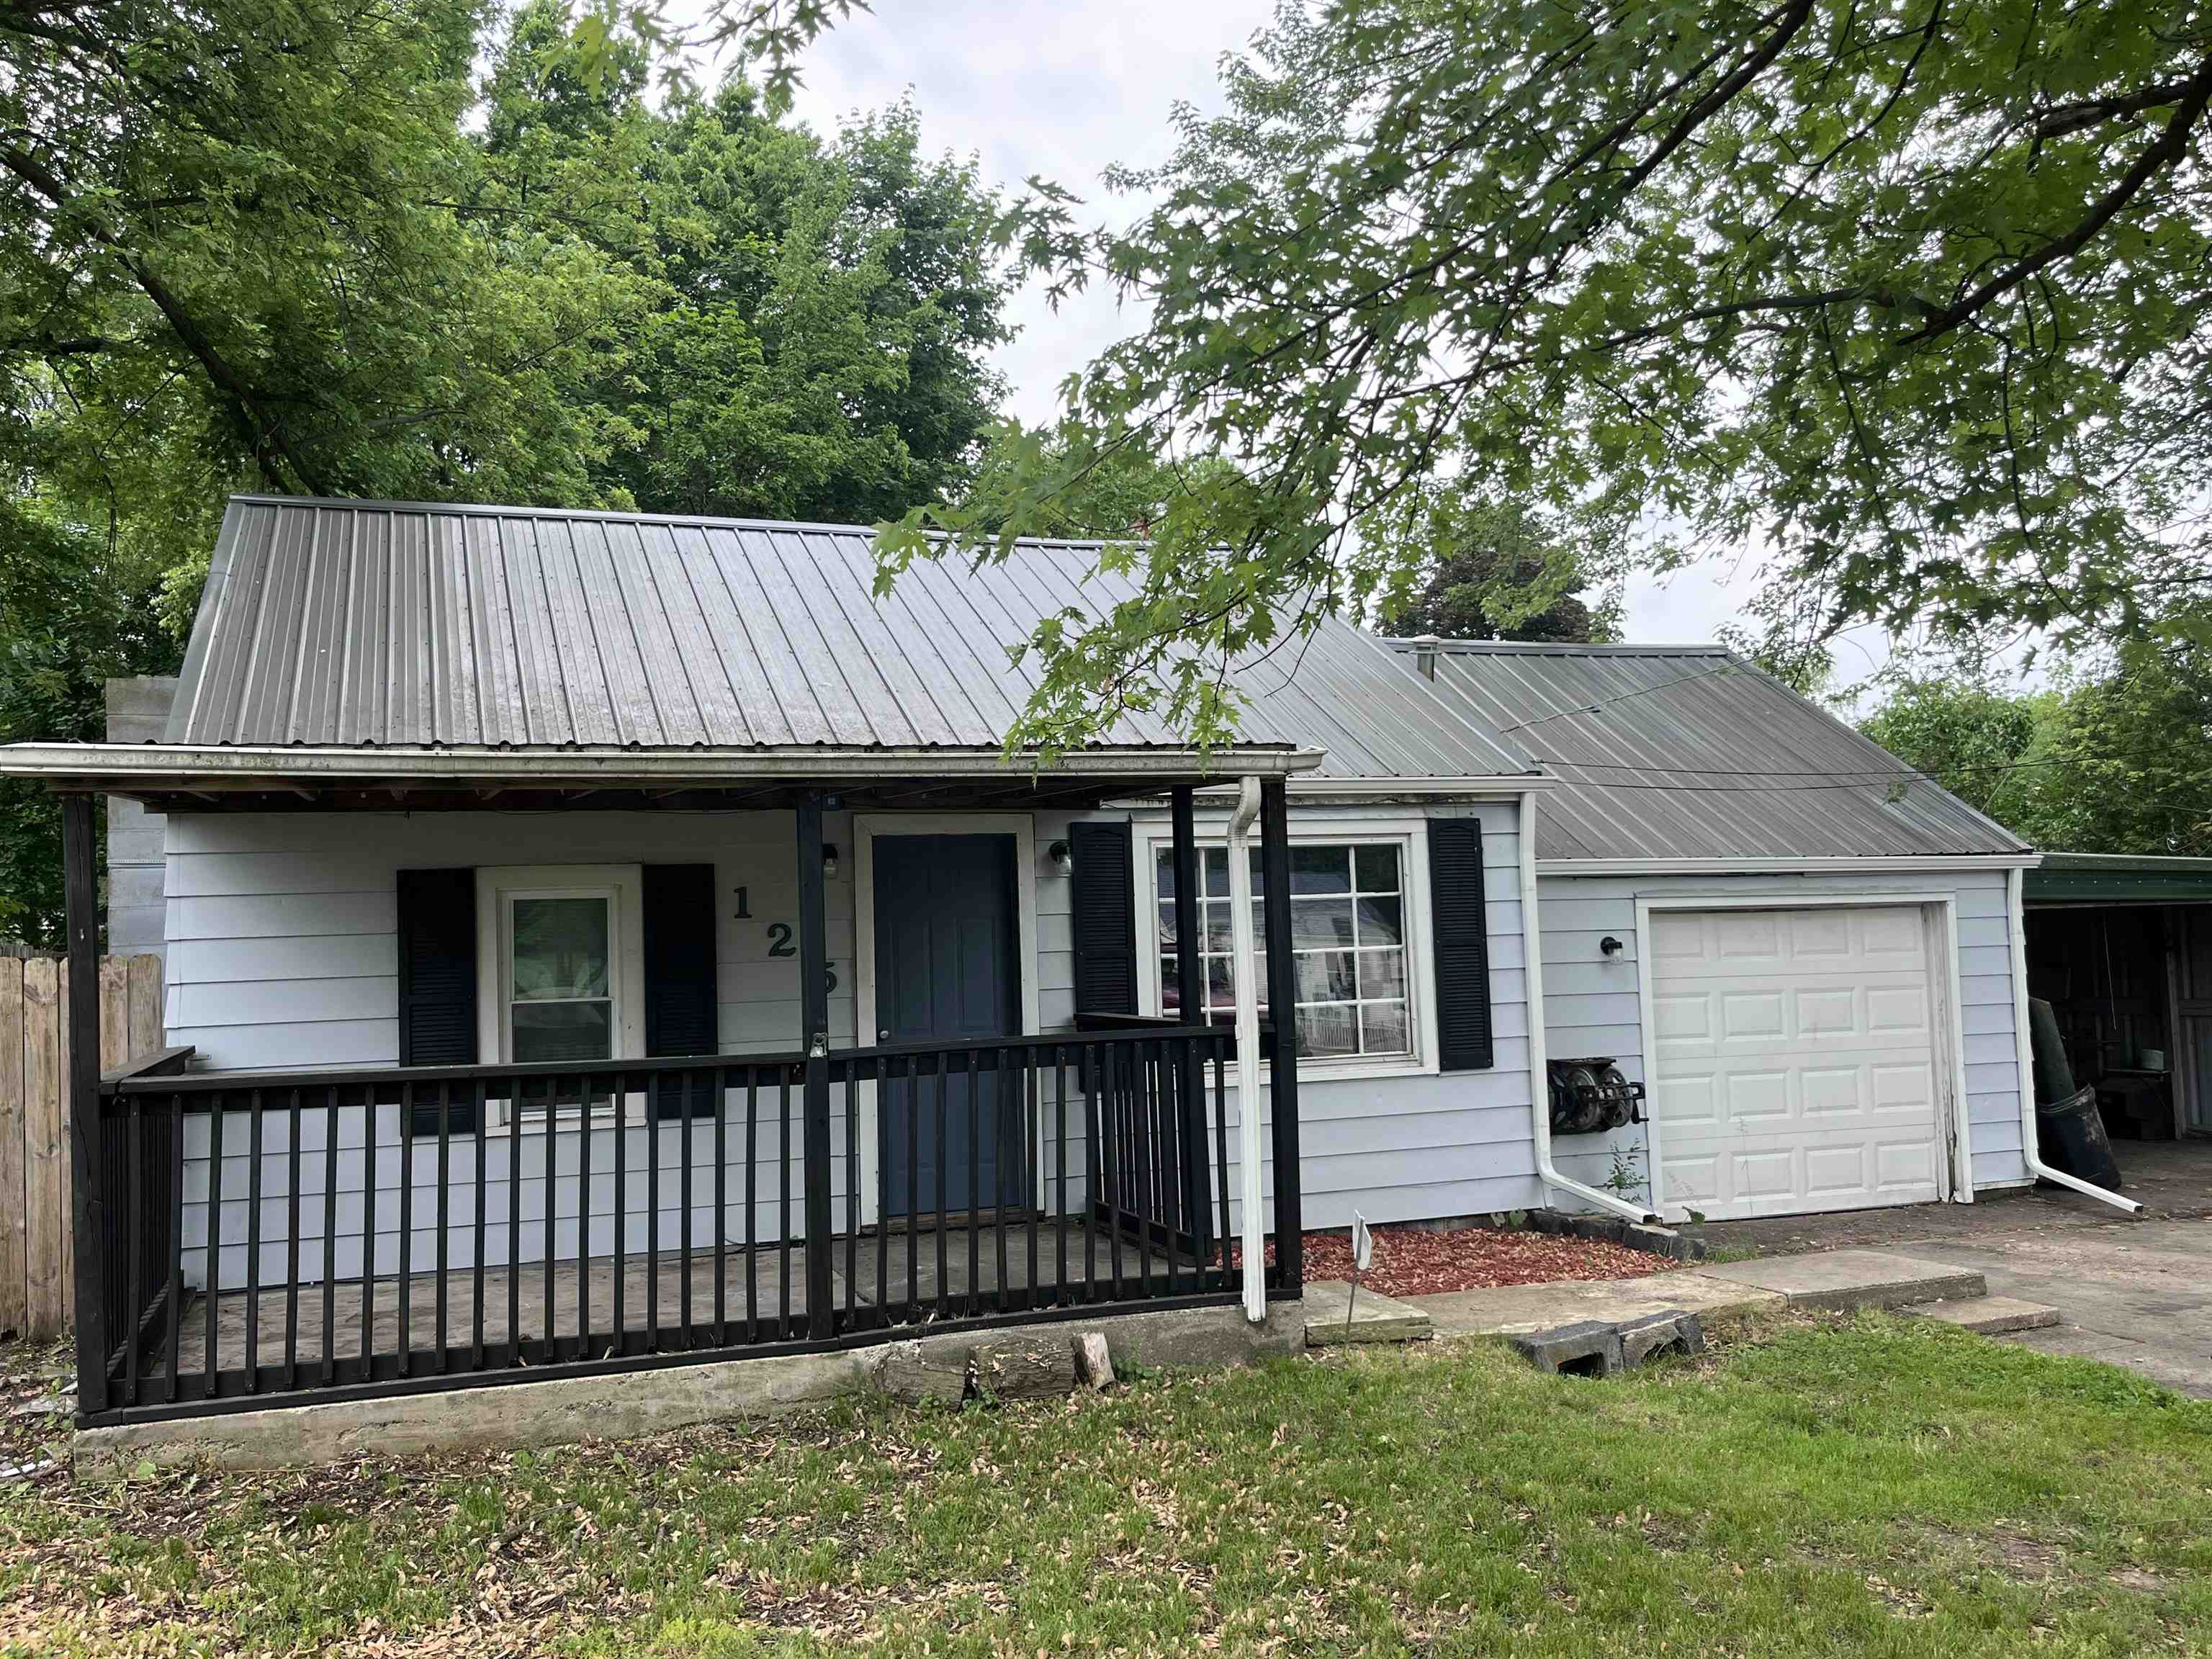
x=269 y=1235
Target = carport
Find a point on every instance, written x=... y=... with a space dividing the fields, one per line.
x=2121 y=947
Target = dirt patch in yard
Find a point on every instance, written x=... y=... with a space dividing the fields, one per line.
x=1426 y=1261
x=37 y=1400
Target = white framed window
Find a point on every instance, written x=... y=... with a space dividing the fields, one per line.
x=560 y=969
x=1358 y=938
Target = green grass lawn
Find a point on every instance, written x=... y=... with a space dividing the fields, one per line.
x=1874 y=1486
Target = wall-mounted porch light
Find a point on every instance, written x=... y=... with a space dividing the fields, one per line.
x=830 y=859
x=1610 y=945
x=1062 y=856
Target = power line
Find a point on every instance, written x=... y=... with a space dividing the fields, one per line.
x=1865 y=773
x=1608 y=702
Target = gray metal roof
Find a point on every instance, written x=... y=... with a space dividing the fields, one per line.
x=359 y=623
x=1687 y=751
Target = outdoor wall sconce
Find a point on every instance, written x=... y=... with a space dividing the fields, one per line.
x=1062 y=856
x=830 y=859
x=1610 y=945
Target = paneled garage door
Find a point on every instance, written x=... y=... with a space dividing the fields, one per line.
x=1793 y=1059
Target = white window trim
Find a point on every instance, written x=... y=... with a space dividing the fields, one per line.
x=1410 y=835
x=497 y=887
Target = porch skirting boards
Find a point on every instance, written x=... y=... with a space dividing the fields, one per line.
x=626 y=1405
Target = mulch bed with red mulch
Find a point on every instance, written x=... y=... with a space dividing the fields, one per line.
x=1421 y=1261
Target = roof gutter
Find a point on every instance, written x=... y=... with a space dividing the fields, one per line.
x=214 y=766
x=2015 y=885
x=1532 y=949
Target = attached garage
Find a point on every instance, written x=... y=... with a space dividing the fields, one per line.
x=1804 y=951
x=1797 y=1058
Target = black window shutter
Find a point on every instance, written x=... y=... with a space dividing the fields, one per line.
x=1456 y=917
x=1104 y=923
x=679 y=901
x=438 y=983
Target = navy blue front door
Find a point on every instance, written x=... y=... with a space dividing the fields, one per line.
x=948 y=974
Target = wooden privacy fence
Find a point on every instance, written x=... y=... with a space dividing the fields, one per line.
x=38 y=1276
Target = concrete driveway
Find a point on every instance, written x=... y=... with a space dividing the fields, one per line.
x=2132 y=1293
x=2137 y=1293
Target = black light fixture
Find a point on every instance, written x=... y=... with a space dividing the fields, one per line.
x=830 y=859
x=1610 y=945
x=1062 y=856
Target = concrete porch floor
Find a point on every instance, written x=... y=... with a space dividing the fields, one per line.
x=903 y=1263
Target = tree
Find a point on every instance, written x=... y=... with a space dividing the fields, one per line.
x=299 y=249
x=1114 y=495
x=72 y=614
x=810 y=322
x=237 y=252
x=1488 y=570
x=1913 y=294
x=1985 y=744
x=2114 y=759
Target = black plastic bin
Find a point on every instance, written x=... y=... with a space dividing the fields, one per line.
x=2071 y=1134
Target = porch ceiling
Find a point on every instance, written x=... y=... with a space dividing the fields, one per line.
x=201 y=777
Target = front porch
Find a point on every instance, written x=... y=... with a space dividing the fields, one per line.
x=262 y=1237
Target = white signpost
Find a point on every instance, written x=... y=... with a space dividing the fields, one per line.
x=1362 y=1253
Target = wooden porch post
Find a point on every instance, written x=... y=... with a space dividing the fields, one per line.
x=1190 y=1010
x=80 y=894
x=814 y=1027
x=1282 y=1010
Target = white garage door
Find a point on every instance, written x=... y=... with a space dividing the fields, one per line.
x=1793 y=1059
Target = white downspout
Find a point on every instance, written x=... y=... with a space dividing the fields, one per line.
x=1540 y=1088
x=2016 y=925
x=1244 y=970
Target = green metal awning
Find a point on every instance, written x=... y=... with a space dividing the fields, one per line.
x=2118 y=879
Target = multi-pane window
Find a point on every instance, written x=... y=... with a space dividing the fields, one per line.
x=1347 y=936
x=559 y=977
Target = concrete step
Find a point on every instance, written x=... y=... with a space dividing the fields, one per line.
x=1992 y=1316
x=1372 y=1317
x=1841 y=1280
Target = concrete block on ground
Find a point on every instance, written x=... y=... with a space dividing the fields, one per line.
x=1586 y=1348
x=1616 y=1230
x=1841 y=1280
x=1992 y=1316
x=1372 y=1317
x=1676 y=1331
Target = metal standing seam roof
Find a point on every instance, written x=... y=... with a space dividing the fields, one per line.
x=1689 y=751
x=359 y=624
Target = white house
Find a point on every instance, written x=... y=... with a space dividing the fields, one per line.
x=539 y=887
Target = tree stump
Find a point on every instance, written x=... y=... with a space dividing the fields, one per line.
x=1024 y=1367
x=1093 y=1364
x=925 y=1373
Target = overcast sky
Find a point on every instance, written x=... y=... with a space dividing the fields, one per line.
x=1063 y=91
